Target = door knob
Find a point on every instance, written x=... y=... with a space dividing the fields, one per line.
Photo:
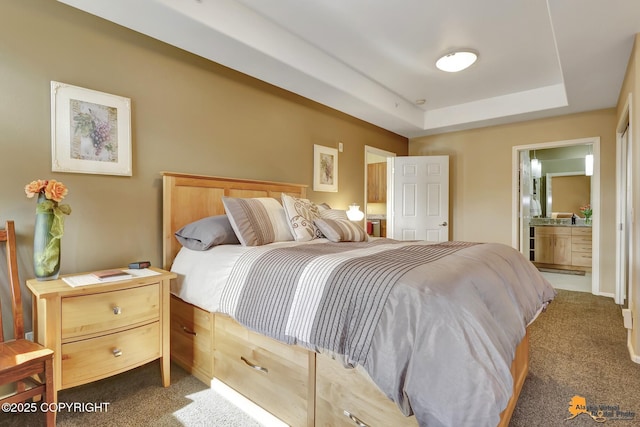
x=444 y=224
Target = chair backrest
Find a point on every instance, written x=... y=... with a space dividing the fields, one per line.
x=8 y=237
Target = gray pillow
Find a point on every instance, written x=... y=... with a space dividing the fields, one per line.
x=206 y=233
x=340 y=230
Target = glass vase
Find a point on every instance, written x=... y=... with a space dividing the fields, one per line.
x=46 y=249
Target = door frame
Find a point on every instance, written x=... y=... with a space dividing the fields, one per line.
x=516 y=218
x=378 y=152
x=622 y=187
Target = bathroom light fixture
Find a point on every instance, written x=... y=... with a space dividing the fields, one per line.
x=588 y=164
x=536 y=167
x=457 y=61
x=354 y=213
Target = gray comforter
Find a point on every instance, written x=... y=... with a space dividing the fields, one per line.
x=435 y=326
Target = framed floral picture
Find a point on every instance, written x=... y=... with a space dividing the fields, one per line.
x=90 y=131
x=325 y=168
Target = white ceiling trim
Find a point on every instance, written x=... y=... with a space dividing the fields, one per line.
x=232 y=34
x=544 y=98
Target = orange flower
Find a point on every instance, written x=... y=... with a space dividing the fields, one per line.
x=55 y=190
x=34 y=187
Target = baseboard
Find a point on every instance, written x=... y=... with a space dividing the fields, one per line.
x=245 y=405
x=634 y=356
x=607 y=294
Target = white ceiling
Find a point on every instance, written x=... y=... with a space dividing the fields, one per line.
x=373 y=59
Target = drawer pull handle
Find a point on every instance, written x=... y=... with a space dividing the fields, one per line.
x=256 y=367
x=117 y=310
x=117 y=352
x=355 y=419
x=189 y=331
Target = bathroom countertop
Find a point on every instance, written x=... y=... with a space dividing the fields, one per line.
x=370 y=217
x=560 y=225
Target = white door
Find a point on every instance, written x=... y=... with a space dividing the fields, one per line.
x=418 y=198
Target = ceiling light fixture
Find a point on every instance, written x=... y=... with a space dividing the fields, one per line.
x=457 y=61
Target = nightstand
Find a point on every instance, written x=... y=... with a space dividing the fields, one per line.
x=100 y=330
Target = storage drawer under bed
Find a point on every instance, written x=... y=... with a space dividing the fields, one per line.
x=278 y=377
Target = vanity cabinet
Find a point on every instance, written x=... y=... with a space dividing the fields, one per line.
x=562 y=247
x=377 y=182
x=553 y=245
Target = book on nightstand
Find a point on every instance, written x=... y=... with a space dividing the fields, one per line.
x=111 y=275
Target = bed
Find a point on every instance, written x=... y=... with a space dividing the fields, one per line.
x=453 y=355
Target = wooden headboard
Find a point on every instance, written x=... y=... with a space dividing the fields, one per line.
x=187 y=198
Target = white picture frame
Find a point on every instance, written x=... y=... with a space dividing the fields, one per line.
x=90 y=131
x=325 y=168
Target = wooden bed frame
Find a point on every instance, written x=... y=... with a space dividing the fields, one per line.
x=316 y=390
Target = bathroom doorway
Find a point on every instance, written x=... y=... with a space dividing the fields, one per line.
x=535 y=220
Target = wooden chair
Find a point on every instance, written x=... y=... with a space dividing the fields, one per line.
x=26 y=368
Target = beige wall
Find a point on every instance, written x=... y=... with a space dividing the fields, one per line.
x=188 y=115
x=481 y=176
x=631 y=91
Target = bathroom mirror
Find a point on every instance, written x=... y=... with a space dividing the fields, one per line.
x=566 y=192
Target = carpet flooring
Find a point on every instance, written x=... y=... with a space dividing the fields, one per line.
x=578 y=348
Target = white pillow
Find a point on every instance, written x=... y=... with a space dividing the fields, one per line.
x=300 y=215
x=257 y=221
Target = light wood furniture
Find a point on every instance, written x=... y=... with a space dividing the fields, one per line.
x=212 y=345
x=26 y=368
x=563 y=247
x=273 y=375
x=377 y=182
x=581 y=247
x=553 y=245
x=100 y=330
x=192 y=339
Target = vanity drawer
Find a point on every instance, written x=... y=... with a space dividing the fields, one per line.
x=555 y=231
x=274 y=375
x=347 y=397
x=92 y=359
x=191 y=330
x=580 y=246
x=109 y=311
x=581 y=259
x=581 y=231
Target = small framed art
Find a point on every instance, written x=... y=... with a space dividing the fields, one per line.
x=90 y=131
x=325 y=168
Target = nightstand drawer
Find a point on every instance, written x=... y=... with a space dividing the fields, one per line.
x=272 y=374
x=97 y=313
x=96 y=358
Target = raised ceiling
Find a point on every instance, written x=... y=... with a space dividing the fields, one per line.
x=375 y=59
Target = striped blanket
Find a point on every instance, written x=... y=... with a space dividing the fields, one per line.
x=323 y=296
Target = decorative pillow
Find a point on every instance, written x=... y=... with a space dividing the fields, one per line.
x=300 y=215
x=323 y=207
x=257 y=221
x=206 y=233
x=334 y=214
x=340 y=230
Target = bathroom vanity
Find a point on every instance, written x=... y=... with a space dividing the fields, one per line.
x=561 y=246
